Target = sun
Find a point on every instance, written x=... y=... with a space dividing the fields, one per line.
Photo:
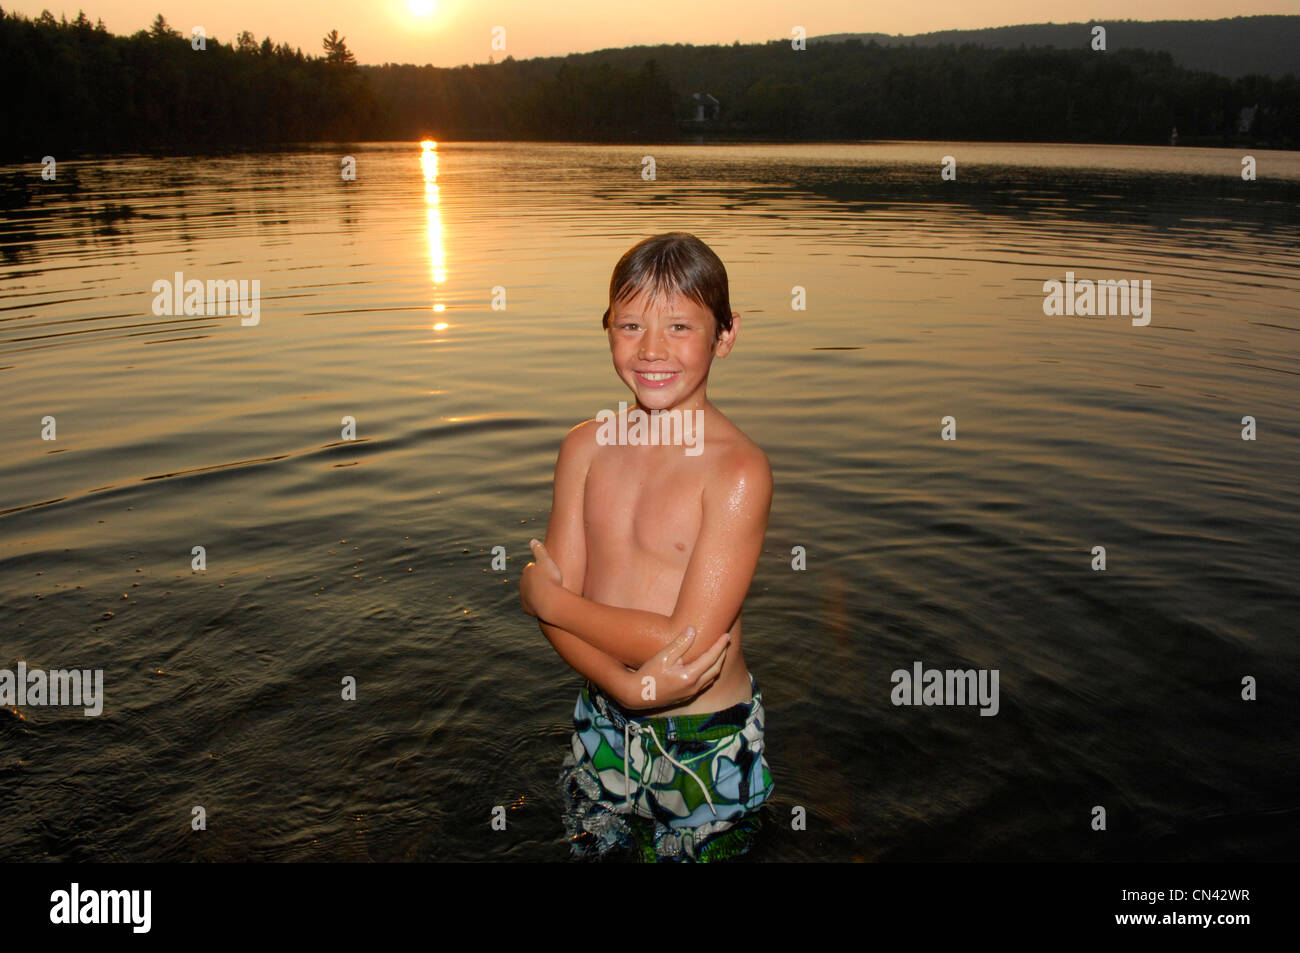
x=421 y=8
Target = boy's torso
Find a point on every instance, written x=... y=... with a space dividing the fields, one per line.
x=642 y=510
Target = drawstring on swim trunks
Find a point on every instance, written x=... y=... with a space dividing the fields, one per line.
x=635 y=728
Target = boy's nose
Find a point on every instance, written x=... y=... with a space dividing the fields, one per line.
x=652 y=346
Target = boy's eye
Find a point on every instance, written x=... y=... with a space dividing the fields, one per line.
x=631 y=326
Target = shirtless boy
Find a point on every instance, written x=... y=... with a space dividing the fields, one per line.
x=649 y=553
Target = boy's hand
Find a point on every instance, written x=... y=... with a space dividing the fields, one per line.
x=544 y=561
x=664 y=680
x=537 y=577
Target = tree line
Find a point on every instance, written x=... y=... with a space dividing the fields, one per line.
x=72 y=87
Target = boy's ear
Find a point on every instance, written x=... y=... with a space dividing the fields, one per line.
x=726 y=339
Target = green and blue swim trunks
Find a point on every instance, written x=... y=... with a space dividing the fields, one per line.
x=685 y=787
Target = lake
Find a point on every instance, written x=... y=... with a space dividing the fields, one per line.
x=328 y=557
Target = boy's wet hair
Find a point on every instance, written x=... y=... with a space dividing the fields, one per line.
x=672 y=262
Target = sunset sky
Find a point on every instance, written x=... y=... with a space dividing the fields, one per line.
x=459 y=31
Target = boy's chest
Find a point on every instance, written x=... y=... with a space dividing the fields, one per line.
x=642 y=505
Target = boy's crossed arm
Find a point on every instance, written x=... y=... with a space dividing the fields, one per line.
x=672 y=680
x=733 y=523
x=568 y=550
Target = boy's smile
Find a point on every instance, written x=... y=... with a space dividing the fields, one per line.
x=657 y=378
x=663 y=349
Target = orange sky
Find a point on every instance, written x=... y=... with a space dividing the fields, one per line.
x=459 y=31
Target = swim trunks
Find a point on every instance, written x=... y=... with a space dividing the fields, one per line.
x=685 y=787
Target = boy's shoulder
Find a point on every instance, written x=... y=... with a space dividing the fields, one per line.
x=744 y=464
x=739 y=457
x=737 y=453
x=581 y=438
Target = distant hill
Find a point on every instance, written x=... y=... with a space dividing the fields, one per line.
x=72 y=87
x=1235 y=47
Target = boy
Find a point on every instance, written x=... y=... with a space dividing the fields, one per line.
x=649 y=553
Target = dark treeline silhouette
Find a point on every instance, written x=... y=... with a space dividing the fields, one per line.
x=855 y=90
x=532 y=99
x=1230 y=46
x=73 y=87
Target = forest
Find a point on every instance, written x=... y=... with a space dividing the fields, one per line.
x=71 y=87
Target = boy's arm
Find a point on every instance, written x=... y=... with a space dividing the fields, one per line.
x=663 y=680
x=721 y=568
x=567 y=544
x=612 y=676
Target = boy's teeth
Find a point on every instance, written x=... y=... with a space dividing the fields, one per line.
x=656 y=377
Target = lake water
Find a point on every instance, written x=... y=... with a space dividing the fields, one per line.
x=370 y=557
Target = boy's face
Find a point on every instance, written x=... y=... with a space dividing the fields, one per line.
x=678 y=338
